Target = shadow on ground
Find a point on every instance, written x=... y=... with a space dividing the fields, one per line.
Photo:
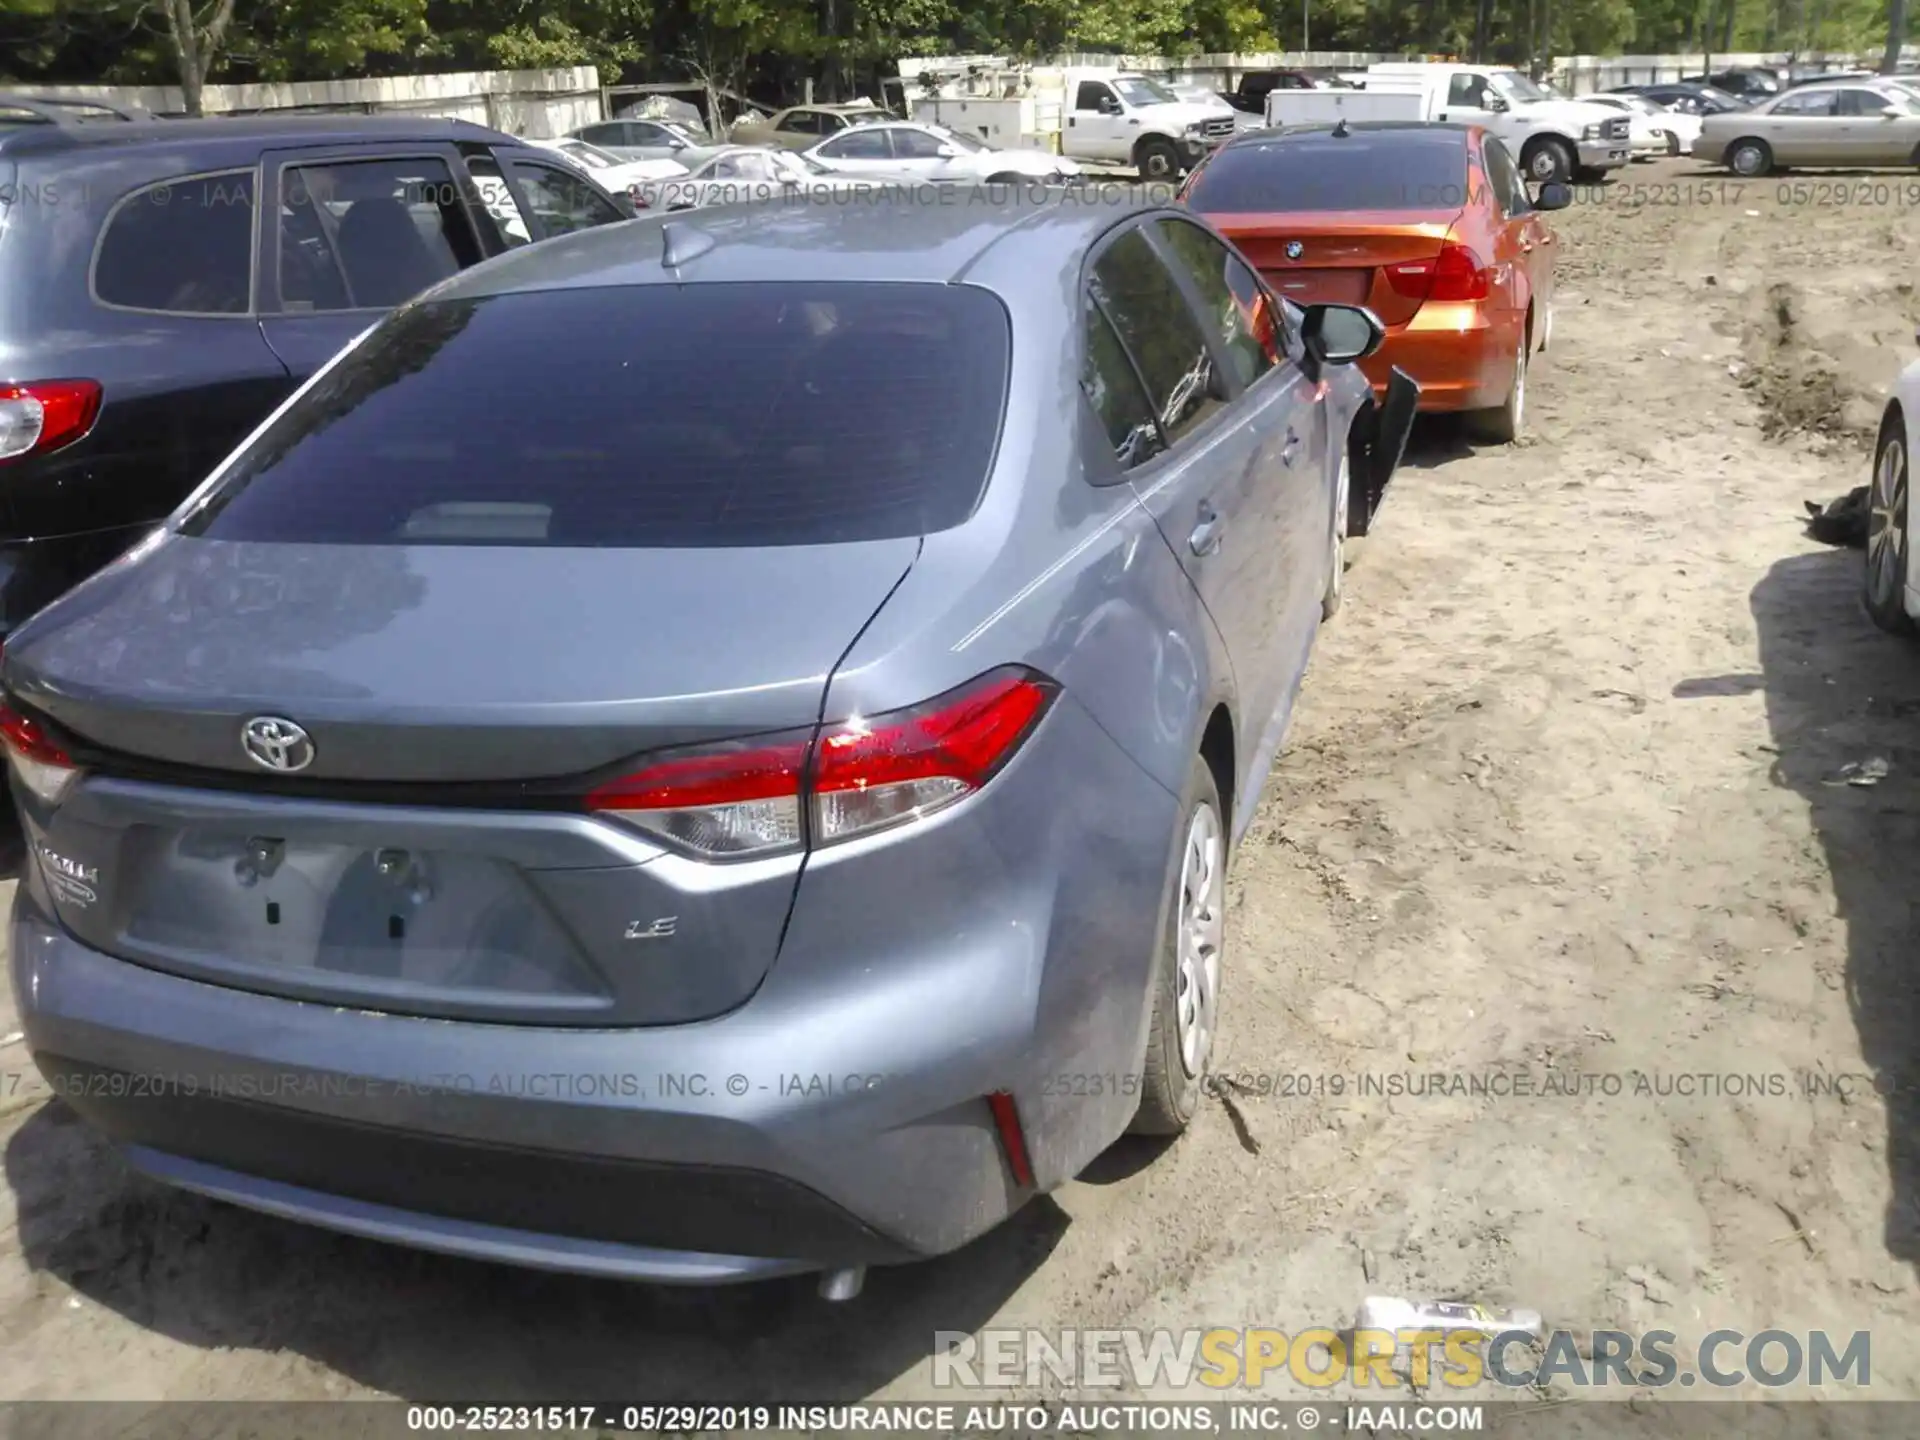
x=1841 y=699
x=431 y=1328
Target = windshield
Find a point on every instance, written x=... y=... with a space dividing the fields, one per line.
x=789 y=166
x=1136 y=90
x=960 y=140
x=1517 y=87
x=592 y=156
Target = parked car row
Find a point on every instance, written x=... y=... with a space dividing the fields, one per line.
x=564 y=676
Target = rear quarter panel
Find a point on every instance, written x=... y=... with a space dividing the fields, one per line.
x=1074 y=580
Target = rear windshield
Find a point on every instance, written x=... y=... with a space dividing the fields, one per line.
x=1390 y=170
x=641 y=416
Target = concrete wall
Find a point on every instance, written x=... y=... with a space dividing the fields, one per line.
x=539 y=104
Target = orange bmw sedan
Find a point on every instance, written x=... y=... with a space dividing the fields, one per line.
x=1429 y=226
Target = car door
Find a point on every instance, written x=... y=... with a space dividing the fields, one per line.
x=349 y=233
x=1466 y=102
x=1872 y=136
x=1097 y=124
x=862 y=150
x=1805 y=128
x=921 y=152
x=1527 y=242
x=1219 y=477
x=800 y=129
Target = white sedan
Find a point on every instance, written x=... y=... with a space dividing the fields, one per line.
x=933 y=152
x=760 y=174
x=611 y=171
x=1890 y=584
x=1652 y=129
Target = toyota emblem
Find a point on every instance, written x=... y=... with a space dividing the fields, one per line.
x=1294 y=249
x=276 y=744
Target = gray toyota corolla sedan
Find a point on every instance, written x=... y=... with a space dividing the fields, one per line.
x=700 y=749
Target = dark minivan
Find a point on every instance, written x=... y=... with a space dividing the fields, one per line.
x=165 y=284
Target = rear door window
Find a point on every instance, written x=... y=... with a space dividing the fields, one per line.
x=1158 y=328
x=1222 y=281
x=562 y=201
x=184 y=246
x=779 y=414
x=857 y=145
x=1812 y=102
x=369 y=234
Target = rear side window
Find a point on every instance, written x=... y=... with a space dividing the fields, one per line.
x=1156 y=325
x=1411 y=169
x=183 y=246
x=643 y=416
x=369 y=234
x=1113 y=390
x=1232 y=297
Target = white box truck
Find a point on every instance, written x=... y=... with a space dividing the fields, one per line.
x=1553 y=138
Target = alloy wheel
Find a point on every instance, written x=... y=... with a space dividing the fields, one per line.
x=1202 y=927
x=1887 y=524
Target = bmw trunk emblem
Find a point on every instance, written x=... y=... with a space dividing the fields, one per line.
x=1294 y=249
x=276 y=744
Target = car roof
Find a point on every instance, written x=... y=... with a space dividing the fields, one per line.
x=223 y=129
x=935 y=234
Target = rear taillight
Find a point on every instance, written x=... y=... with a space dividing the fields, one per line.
x=778 y=793
x=1456 y=273
x=43 y=767
x=45 y=414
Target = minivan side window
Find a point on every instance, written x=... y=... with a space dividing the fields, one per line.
x=182 y=247
x=1159 y=331
x=1230 y=295
x=1112 y=388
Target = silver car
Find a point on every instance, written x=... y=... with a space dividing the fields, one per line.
x=705 y=749
x=932 y=152
x=1855 y=123
x=636 y=139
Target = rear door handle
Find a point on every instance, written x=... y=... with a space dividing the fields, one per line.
x=1205 y=538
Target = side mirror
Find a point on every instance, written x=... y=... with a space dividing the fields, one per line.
x=1554 y=195
x=1496 y=105
x=1109 y=106
x=946 y=152
x=1891 y=112
x=1340 y=334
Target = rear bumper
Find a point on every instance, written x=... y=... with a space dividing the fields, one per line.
x=837 y=1117
x=1460 y=355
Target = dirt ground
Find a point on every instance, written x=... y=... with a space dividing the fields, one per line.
x=1564 y=796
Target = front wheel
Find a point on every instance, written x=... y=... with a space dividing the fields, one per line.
x=1548 y=161
x=1750 y=159
x=1158 y=159
x=1884 y=580
x=1186 y=972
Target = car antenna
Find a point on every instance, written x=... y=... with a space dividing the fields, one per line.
x=683 y=242
x=1340 y=131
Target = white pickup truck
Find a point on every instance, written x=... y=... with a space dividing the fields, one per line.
x=1133 y=120
x=1553 y=138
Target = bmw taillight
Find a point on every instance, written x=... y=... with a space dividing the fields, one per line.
x=780 y=793
x=43 y=415
x=1456 y=273
x=42 y=766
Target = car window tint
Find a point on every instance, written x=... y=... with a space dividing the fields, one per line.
x=1503 y=176
x=1222 y=280
x=857 y=145
x=608 y=134
x=916 y=145
x=1814 y=103
x=806 y=122
x=563 y=202
x=369 y=234
x=1090 y=95
x=508 y=218
x=1113 y=390
x=781 y=413
x=1468 y=90
x=1413 y=169
x=1159 y=331
x=1864 y=102
x=183 y=246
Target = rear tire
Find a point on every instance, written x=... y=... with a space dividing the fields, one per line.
x=1008 y=179
x=1883 y=577
x=1158 y=160
x=1187 y=965
x=1503 y=424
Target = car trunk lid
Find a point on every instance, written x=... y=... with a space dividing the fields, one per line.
x=1339 y=258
